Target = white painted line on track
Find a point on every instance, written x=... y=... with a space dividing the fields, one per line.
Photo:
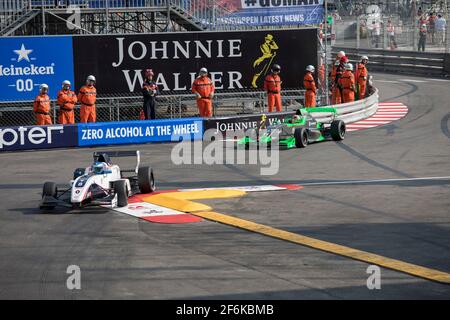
x=392 y=114
x=387 y=81
x=439 y=80
x=385 y=118
x=374 y=181
x=412 y=80
x=371 y=121
x=387 y=112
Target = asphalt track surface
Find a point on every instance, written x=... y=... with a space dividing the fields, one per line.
x=125 y=258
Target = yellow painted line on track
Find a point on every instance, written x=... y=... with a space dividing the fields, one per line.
x=411 y=269
x=182 y=201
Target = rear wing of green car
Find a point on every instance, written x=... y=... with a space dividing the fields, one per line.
x=320 y=110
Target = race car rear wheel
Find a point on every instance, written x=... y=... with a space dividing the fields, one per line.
x=337 y=130
x=301 y=137
x=49 y=189
x=146 y=180
x=120 y=188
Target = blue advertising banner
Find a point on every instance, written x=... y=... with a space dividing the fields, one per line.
x=38 y=137
x=27 y=62
x=130 y=132
x=276 y=13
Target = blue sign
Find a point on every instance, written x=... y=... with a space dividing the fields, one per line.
x=38 y=137
x=130 y=132
x=27 y=62
x=276 y=13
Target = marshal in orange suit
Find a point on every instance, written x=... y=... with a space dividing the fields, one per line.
x=66 y=102
x=87 y=97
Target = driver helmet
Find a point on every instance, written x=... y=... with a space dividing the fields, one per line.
x=98 y=167
x=295 y=118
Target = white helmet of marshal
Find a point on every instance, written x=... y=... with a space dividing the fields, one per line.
x=349 y=66
x=203 y=70
x=90 y=78
x=43 y=86
x=364 y=58
x=66 y=83
x=341 y=54
x=310 y=68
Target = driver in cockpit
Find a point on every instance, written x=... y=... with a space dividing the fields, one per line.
x=100 y=168
x=295 y=118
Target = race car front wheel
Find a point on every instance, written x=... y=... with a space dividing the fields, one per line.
x=301 y=137
x=146 y=180
x=49 y=189
x=120 y=188
x=337 y=130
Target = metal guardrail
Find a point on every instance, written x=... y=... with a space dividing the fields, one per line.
x=409 y=62
x=353 y=111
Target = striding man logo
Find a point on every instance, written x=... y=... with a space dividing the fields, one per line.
x=262 y=64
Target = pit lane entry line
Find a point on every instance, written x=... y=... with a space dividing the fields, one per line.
x=396 y=265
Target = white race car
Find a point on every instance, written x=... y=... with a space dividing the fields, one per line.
x=102 y=183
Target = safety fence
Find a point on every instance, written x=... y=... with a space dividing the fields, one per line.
x=168 y=107
x=394 y=32
x=408 y=62
x=165 y=130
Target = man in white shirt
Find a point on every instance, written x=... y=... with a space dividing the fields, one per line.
x=441 y=26
x=376 y=34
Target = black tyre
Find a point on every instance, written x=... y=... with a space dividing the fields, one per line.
x=337 y=130
x=49 y=189
x=78 y=173
x=120 y=188
x=146 y=180
x=301 y=137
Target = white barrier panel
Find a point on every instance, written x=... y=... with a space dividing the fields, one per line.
x=353 y=111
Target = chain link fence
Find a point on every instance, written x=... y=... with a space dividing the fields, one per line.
x=168 y=107
x=395 y=26
x=391 y=33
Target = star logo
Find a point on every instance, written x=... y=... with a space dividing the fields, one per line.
x=23 y=53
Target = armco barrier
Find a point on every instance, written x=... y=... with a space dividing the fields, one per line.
x=407 y=62
x=447 y=63
x=353 y=111
x=38 y=137
x=130 y=132
x=348 y=112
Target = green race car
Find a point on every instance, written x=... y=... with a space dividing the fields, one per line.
x=299 y=130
